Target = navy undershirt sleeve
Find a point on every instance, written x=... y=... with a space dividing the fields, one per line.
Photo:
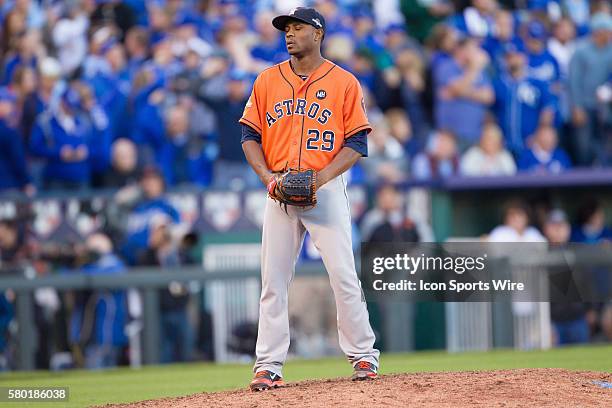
x=248 y=133
x=358 y=142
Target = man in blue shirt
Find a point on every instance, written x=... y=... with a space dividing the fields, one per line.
x=544 y=155
x=503 y=34
x=463 y=92
x=153 y=208
x=13 y=170
x=521 y=102
x=184 y=157
x=98 y=319
x=62 y=136
x=542 y=65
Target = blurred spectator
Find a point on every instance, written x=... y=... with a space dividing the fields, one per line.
x=270 y=48
x=99 y=317
x=7 y=312
x=123 y=164
x=32 y=11
x=363 y=27
x=515 y=227
x=411 y=87
x=488 y=158
x=386 y=160
x=63 y=138
x=441 y=43
x=589 y=68
x=13 y=170
x=181 y=156
x=226 y=95
x=13 y=25
x=70 y=38
x=503 y=34
x=149 y=206
x=562 y=44
x=29 y=50
x=544 y=154
x=117 y=13
x=521 y=103
x=137 y=48
x=13 y=250
x=463 y=92
x=478 y=19
x=542 y=65
x=101 y=137
x=401 y=129
x=111 y=86
x=49 y=71
x=440 y=158
x=578 y=11
x=422 y=16
x=570 y=320
x=388 y=220
x=23 y=84
x=591 y=226
x=163 y=250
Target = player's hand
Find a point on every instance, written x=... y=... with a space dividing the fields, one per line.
x=271 y=184
x=321 y=180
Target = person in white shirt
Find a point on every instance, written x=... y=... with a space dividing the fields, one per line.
x=516 y=226
x=488 y=158
x=562 y=45
x=70 y=37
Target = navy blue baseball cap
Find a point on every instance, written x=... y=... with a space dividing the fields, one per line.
x=306 y=15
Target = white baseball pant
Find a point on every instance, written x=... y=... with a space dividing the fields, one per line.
x=329 y=225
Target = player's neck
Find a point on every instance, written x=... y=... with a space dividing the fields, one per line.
x=306 y=65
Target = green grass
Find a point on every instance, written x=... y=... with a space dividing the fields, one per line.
x=124 y=385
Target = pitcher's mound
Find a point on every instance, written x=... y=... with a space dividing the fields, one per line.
x=504 y=388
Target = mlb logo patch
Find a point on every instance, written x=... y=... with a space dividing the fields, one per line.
x=321 y=94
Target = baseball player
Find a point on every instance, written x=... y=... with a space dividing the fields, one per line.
x=304 y=125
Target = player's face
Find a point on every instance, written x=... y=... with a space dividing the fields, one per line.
x=300 y=38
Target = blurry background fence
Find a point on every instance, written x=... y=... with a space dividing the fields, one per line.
x=232 y=295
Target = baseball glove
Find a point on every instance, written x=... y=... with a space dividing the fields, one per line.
x=294 y=187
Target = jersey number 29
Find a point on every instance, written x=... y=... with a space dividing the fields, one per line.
x=314 y=136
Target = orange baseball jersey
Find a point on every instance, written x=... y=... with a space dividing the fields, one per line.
x=303 y=123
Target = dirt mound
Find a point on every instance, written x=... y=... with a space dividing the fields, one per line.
x=505 y=388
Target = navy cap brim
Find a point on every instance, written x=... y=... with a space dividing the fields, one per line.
x=280 y=22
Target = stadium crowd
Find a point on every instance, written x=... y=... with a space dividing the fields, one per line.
x=92 y=91
x=141 y=96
